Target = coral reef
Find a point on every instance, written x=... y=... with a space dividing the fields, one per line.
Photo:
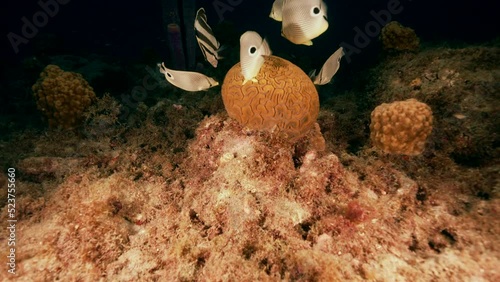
x=242 y=207
x=62 y=96
x=179 y=191
x=401 y=127
x=461 y=85
x=283 y=100
x=395 y=36
x=101 y=118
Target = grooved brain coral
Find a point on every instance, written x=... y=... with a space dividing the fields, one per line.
x=401 y=127
x=62 y=96
x=284 y=98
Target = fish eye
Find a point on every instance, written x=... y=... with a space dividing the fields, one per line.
x=315 y=11
x=252 y=50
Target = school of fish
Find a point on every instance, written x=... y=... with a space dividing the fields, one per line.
x=301 y=22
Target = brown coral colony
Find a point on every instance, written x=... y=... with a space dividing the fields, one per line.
x=401 y=127
x=62 y=96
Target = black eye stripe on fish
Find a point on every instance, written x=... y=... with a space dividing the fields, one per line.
x=207 y=38
x=201 y=19
x=205 y=28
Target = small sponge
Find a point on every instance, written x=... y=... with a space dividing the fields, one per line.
x=401 y=127
x=62 y=96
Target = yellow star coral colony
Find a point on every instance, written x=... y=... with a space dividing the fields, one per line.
x=62 y=96
x=401 y=127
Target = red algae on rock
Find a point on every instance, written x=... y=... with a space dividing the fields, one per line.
x=208 y=200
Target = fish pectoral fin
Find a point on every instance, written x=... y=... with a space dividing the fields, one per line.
x=308 y=43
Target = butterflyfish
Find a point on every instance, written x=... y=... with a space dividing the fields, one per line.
x=252 y=50
x=188 y=80
x=329 y=69
x=209 y=45
x=303 y=20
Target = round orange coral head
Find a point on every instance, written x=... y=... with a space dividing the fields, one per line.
x=284 y=100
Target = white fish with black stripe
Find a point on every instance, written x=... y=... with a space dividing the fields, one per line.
x=329 y=69
x=188 y=80
x=252 y=50
x=209 y=45
x=303 y=20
